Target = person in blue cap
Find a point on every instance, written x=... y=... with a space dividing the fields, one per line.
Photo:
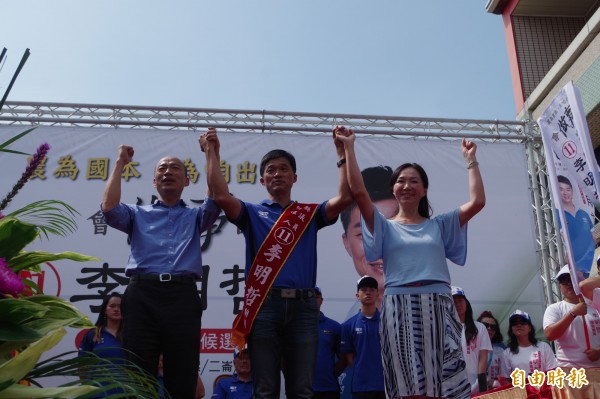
x=330 y=362
x=238 y=386
x=360 y=343
x=524 y=351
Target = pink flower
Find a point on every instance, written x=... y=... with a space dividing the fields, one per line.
x=10 y=283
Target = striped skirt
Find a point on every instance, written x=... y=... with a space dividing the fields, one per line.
x=421 y=347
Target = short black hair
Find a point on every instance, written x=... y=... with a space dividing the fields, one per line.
x=376 y=180
x=274 y=154
x=563 y=179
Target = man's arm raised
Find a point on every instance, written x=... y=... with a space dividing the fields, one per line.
x=209 y=144
x=112 y=191
x=344 y=198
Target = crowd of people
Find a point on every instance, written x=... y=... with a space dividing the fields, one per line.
x=411 y=334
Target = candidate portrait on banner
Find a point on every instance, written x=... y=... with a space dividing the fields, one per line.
x=573 y=175
x=578 y=213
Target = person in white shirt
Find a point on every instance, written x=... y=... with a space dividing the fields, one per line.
x=476 y=344
x=565 y=323
x=590 y=288
x=524 y=351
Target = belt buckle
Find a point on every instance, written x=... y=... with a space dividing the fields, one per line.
x=164 y=277
x=288 y=293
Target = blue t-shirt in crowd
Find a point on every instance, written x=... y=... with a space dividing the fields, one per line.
x=108 y=347
x=325 y=379
x=232 y=388
x=360 y=336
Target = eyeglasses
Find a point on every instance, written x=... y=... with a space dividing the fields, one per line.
x=565 y=281
x=490 y=326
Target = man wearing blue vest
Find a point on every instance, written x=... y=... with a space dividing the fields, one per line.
x=360 y=343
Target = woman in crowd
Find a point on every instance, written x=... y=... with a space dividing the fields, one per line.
x=104 y=340
x=420 y=332
x=524 y=351
x=476 y=344
x=496 y=375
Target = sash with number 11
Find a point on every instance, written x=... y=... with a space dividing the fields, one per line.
x=268 y=262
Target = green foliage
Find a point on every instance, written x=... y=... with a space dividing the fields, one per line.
x=49 y=216
x=14 y=236
x=31 y=325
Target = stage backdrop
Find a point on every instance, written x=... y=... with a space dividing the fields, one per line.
x=501 y=273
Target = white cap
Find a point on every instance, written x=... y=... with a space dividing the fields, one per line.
x=563 y=270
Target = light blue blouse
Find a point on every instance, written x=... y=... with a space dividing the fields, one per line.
x=416 y=253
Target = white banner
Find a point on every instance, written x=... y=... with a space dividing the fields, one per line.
x=501 y=273
x=573 y=174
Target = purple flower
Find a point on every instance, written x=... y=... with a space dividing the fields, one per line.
x=34 y=162
x=10 y=283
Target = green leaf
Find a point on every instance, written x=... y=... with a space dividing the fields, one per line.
x=28 y=260
x=15 y=332
x=17 y=391
x=15 y=138
x=44 y=326
x=14 y=236
x=16 y=368
x=14 y=152
x=39 y=313
x=18 y=311
x=59 y=308
x=7 y=348
x=50 y=216
x=32 y=287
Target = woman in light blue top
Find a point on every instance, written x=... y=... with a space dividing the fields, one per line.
x=420 y=331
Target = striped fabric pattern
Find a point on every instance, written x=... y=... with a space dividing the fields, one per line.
x=421 y=347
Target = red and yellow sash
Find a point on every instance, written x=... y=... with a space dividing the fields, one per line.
x=268 y=262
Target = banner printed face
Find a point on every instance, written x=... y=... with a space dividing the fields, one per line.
x=574 y=190
x=502 y=266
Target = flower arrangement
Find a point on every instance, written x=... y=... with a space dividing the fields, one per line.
x=32 y=323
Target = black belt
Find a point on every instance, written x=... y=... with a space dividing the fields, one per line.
x=292 y=293
x=163 y=278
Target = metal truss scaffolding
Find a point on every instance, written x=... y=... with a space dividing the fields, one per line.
x=549 y=245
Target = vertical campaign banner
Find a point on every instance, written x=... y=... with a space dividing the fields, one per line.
x=573 y=173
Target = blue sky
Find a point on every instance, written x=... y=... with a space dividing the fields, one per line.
x=426 y=58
